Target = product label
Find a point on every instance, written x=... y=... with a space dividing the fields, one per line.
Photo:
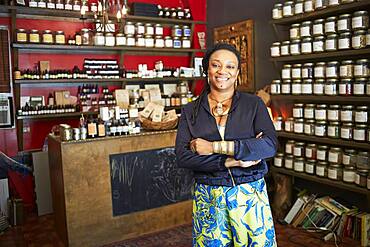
x=289 y=164
x=307 y=47
x=359 y=70
x=345 y=71
x=21 y=37
x=348 y=176
x=294 y=49
x=296 y=88
x=275 y=89
x=333 y=115
x=308 y=153
x=332 y=131
x=305 y=31
x=297 y=151
x=361 y=117
x=320 y=114
x=357 y=22
x=318 y=46
x=59 y=6
x=346 y=116
x=296 y=73
x=285 y=88
x=298 y=166
x=308 y=113
x=359 y=134
x=346 y=159
x=308 y=6
x=287 y=10
x=288 y=148
x=330 y=89
x=284 y=50
x=319 y=72
x=306 y=88
x=330 y=44
x=356 y=41
x=357 y=179
x=333 y=157
x=308 y=129
x=332 y=173
x=318 y=88
x=318 y=29
x=345 y=133
x=68 y=6
x=288 y=127
x=293 y=32
x=342 y=24
x=309 y=169
x=330 y=27
x=33 y=4
x=321 y=155
x=298 y=8
x=275 y=51
x=297 y=112
x=318 y=4
x=276 y=14
x=344 y=43
x=320 y=171
x=298 y=128
x=319 y=130
x=358 y=89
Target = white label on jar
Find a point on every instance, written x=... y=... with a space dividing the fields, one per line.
x=318 y=88
x=320 y=114
x=332 y=173
x=333 y=157
x=310 y=168
x=298 y=128
x=306 y=47
x=294 y=49
x=296 y=88
x=33 y=4
x=293 y=32
x=59 y=6
x=306 y=88
x=331 y=71
x=51 y=5
x=296 y=73
x=276 y=13
x=342 y=89
x=140 y=29
x=289 y=164
x=356 y=41
x=275 y=89
x=278 y=162
x=321 y=154
x=297 y=151
x=305 y=31
x=319 y=72
x=308 y=6
x=330 y=27
x=297 y=112
x=305 y=73
x=309 y=113
x=287 y=10
x=318 y=46
x=299 y=166
x=358 y=89
x=320 y=171
x=330 y=89
x=345 y=71
x=41 y=4
x=359 y=134
x=275 y=51
x=331 y=131
x=357 y=179
x=346 y=116
x=284 y=50
x=344 y=43
x=359 y=70
x=317 y=29
x=333 y=115
x=289 y=148
x=308 y=153
x=342 y=24
x=285 y=73
x=345 y=159
x=320 y=130
x=357 y=22
x=307 y=129
x=333 y=2
x=361 y=117
x=298 y=8
x=68 y=6
x=330 y=44
x=318 y=4
x=349 y=176
x=285 y=88
x=129 y=29
x=345 y=133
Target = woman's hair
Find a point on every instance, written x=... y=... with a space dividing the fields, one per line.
x=205 y=64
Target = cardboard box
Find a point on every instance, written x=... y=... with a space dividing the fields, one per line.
x=62 y=97
x=44 y=65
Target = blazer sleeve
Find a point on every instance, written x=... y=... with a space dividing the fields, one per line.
x=187 y=159
x=258 y=148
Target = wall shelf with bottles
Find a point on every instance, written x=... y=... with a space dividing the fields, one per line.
x=318 y=99
x=336 y=10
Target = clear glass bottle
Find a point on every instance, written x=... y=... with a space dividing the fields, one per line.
x=289 y=125
x=284 y=48
x=360 y=20
x=288 y=162
x=359 y=132
x=349 y=157
x=288 y=9
x=289 y=145
x=286 y=87
x=297 y=87
x=298 y=126
x=344 y=23
x=359 y=86
x=361 y=68
x=310 y=151
x=335 y=172
x=298 y=7
x=307 y=71
x=321 y=112
x=319 y=70
x=335 y=155
x=318 y=87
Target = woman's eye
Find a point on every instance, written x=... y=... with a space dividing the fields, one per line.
x=231 y=67
x=215 y=65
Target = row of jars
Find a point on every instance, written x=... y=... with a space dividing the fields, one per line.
x=357 y=40
x=74 y=5
x=131 y=28
x=291 y=8
x=324 y=169
x=345 y=23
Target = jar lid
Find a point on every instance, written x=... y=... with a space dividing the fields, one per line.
x=280 y=154
x=345 y=34
x=335 y=165
x=298 y=105
x=318 y=21
x=148 y=25
x=362 y=107
x=333 y=36
x=299 y=120
x=331 y=63
x=349 y=168
x=276 y=43
x=345 y=62
x=306 y=23
x=310 y=105
x=332 y=80
x=290 y=119
x=109 y=34
x=321 y=106
x=307 y=81
x=347 y=124
x=345 y=16
x=363 y=171
x=84 y=30
x=350 y=151
x=334 y=123
x=296 y=25
x=348 y=107
x=322 y=163
x=138 y=24
x=286 y=42
x=335 y=148
x=159 y=37
x=297 y=81
x=361 y=126
x=297 y=65
x=288 y=2
x=167 y=37
x=346 y=79
x=320 y=64
x=287 y=66
x=310 y=121
x=334 y=106
x=299 y=144
x=291 y=141
x=362 y=79
x=311 y=161
x=287 y=81
x=322 y=147
x=319 y=81
x=321 y=122
x=320 y=37
x=276 y=81
x=120 y=35
x=363 y=153
x=359 y=32
x=299 y=159
x=361 y=12
x=307 y=64
x=331 y=18
x=59 y=32
x=311 y=145
x=364 y=60
x=34 y=31
x=307 y=39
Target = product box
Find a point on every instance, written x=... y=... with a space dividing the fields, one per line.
x=62 y=97
x=148 y=110
x=157 y=113
x=122 y=98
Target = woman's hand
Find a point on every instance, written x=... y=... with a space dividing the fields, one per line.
x=231 y=162
x=201 y=146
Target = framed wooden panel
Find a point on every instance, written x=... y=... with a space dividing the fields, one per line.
x=240 y=35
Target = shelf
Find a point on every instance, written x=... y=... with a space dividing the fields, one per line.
x=325 y=56
x=322 y=99
x=60 y=115
x=327 y=181
x=330 y=11
x=324 y=140
x=107 y=81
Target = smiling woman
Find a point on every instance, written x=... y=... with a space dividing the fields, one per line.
x=224 y=137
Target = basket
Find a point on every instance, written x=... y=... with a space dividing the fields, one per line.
x=150 y=125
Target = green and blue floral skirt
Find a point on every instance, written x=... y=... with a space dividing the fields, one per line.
x=232 y=216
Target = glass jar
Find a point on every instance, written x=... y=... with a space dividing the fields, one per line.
x=297 y=87
x=149 y=29
x=319 y=70
x=349 y=157
x=309 y=111
x=318 y=44
x=361 y=68
x=320 y=112
x=288 y=9
x=333 y=112
x=298 y=110
x=346 y=69
x=286 y=72
x=335 y=172
x=294 y=31
x=307 y=87
x=99 y=39
x=298 y=149
x=47 y=37
x=308 y=6
x=360 y=20
x=109 y=39
x=289 y=145
x=318 y=87
x=299 y=164
x=361 y=177
x=68 y=5
x=359 y=86
x=320 y=128
x=177 y=42
x=331 y=70
x=344 y=23
x=298 y=126
x=310 y=151
x=32 y=4
x=331 y=87
x=284 y=48
x=362 y=160
x=275 y=87
x=330 y=25
x=176 y=31
x=158 y=29
x=333 y=2
x=159 y=42
x=322 y=152
x=85 y=35
x=140 y=40
x=275 y=49
x=78 y=39
x=289 y=125
x=309 y=127
x=344 y=41
x=279 y=160
x=76 y=5
x=60 y=38
x=185 y=42
x=305 y=29
x=359 y=39
x=335 y=155
x=346 y=114
x=168 y=42
x=21 y=35
x=186 y=31
x=277 y=11
x=139 y=28
x=120 y=39
x=41 y=4
x=298 y=7
x=307 y=71
x=34 y=36
x=331 y=43
x=345 y=87
x=320 y=4
x=286 y=87
x=50 y=4
x=296 y=71
x=322 y=169
x=349 y=174
x=59 y=4
x=295 y=47
x=288 y=162
x=129 y=28
x=346 y=131
x=318 y=27
x=306 y=45
x=278 y=123
x=149 y=41
x=361 y=114
x=310 y=166
x=130 y=40
x=359 y=132
x=334 y=129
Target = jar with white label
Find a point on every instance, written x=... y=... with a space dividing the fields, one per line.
x=149 y=41
x=288 y=162
x=33 y=4
x=359 y=86
x=308 y=6
x=333 y=112
x=34 y=36
x=320 y=128
x=334 y=129
x=321 y=112
x=349 y=157
x=346 y=69
x=288 y=9
x=294 y=31
x=331 y=42
x=298 y=149
x=158 y=29
x=362 y=160
x=177 y=42
x=168 y=42
x=361 y=177
x=346 y=114
x=344 y=41
x=275 y=87
x=186 y=42
x=346 y=131
x=335 y=172
x=331 y=70
x=361 y=68
x=149 y=29
x=130 y=40
x=309 y=111
x=318 y=27
x=320 y=4
x=361 y=114
x=333 y=2
x=309 y=167
x=295 y=47
x=309 y=127
x=140 y=28
x=297 y=87
x=286 y=72
x=345 y=87
x=159 y=42
x=186 y=31
x=307 y=87
x=120 y=39
x=298 y=7
x=284 y=48
x=319 y=70
x=109 y=39
x=286 y=87
x=360 y=20
x=331 y=87
x=349 y=174
x=278 y=123
x=359 y=132
x=289 y=125
x=305 y=29
x=275 y=49
x=306 y=45
x=279 y=160
x=310 y=151
x=298 y=110
x=298 y=126
x=129 y=28
x=296 y=71
x=318 y=87
x=298 y=164
x=322 y=169
x=289 y=145
x=335 y=155
x=318 y=44
x=140 y=40
x=99 y=39
x=322 y=152
x=307 y=71
x=277 y=11
x=330 y=25
x=359 y=39
x=176 y=31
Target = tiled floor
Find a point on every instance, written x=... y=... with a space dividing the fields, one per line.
x=40 y=232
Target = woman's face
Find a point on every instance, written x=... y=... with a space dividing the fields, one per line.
x=223 y=70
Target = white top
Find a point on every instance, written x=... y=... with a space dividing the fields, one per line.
x=221 y=130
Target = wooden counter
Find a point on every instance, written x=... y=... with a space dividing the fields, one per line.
x=82 y=196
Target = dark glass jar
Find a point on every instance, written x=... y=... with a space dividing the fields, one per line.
x=360 y=20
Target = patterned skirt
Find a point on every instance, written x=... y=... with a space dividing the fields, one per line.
x=232 y=216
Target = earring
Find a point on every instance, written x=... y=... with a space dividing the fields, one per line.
x=208 y=80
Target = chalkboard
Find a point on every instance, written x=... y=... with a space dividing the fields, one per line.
x=147 y=179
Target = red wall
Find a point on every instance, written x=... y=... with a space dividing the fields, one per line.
x=40 y=128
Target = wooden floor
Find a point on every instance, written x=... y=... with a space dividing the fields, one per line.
x=40 y=232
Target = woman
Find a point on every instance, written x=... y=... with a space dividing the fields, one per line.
x=224 y=137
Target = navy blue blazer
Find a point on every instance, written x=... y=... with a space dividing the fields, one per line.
x=247 y=117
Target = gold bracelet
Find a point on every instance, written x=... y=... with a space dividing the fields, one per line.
x=223 y=147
